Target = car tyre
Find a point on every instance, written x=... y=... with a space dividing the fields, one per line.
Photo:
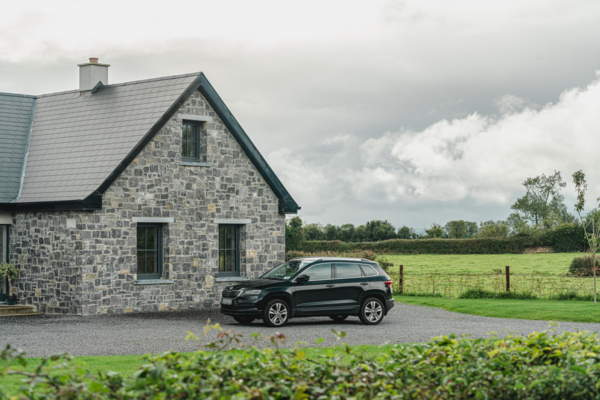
x=338 y=318
x=246 y=320
x=371 y=311
x=276 y=313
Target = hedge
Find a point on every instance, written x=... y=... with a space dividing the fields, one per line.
x=564 y=238
x=536 y=366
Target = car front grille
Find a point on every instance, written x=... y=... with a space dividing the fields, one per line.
x=231 y=293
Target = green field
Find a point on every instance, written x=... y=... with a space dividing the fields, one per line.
x=128 y=365
x=543 y=275
x=536 y=264
x=545 y=310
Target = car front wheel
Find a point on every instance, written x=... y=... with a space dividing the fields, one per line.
x=371 y=311
x=276 y=313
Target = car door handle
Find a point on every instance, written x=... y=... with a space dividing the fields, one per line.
x=329 y=285
x=364 y=284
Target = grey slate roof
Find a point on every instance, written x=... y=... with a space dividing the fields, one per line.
x=78 y=141
x=15 y=116
x=81 y=142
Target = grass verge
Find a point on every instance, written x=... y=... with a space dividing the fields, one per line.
x=544 y=310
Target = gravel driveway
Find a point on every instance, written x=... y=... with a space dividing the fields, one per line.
x=157 y=332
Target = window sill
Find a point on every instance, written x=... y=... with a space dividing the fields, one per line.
x=232 y=279
x=195 y=164
x=153 y=282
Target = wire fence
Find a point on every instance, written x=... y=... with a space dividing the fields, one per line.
x=440 y=283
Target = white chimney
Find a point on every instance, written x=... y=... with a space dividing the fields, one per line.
x=91 y=73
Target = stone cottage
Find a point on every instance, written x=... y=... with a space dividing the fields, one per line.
x=138 y=196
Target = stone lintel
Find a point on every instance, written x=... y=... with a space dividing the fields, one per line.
x=232 y=279
x=191 y=117
x=151 y=220
x=153 y=282
x=231 y=221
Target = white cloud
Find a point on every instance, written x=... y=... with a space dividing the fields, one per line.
x=473 y=161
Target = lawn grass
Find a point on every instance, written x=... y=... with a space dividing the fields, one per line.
x=544 y=310
x=127 y=365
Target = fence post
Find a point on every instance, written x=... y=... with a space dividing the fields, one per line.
x=507 y=278
x=401 y=280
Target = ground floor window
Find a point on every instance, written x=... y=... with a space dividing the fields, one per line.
x=3 y=258
x=149 y=251
x=229 y=250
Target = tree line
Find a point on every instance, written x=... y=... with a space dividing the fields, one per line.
x=542 y=207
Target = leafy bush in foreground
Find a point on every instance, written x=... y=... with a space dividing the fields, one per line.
x=536 y=366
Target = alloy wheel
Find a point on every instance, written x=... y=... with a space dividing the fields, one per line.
x=278 y=313
x=373 y=311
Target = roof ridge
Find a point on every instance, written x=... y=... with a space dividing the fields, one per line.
x=163 y=78
x=29 y=96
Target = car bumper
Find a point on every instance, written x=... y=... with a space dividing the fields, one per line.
x=389 y=304
x=246 y=308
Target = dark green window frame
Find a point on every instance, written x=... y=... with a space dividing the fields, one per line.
x=190 y=141
x=229 y=250
x=4 y=229
x=149 y=251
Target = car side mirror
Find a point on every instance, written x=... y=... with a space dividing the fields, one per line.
x=302 y=278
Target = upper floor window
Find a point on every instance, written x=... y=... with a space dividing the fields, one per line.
x=190 y=143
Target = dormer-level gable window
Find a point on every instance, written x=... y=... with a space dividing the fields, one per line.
x=190 y=143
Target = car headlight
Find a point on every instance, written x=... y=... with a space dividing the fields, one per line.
x=250 y=291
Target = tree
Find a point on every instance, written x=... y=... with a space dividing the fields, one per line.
x=435 y=232
x=517 y=224
x=294 y=235
x=331 y=232
x=543 y=201
x=491 y=229
x=346 y=232
x=313 y=232
x=405 y=232
x=461 y=229
x=360 y=234
x=380 y=230
x=591 y=223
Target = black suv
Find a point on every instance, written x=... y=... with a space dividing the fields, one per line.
x=307 y=287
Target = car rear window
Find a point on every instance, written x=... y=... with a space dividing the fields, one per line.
x=347 y=270
x=368 y=270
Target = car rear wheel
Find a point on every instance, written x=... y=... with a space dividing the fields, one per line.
x=371 y=311
x=244 y=319
x=338 y=318
x=276 y=313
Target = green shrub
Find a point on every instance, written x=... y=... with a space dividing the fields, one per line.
x=537 y=366
x=582 y=266
x=572 y=296
x=488 y=294
x=511 y=245
x=366 y=254
x=569 y=238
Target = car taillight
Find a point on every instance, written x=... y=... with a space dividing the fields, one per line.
x=388 y=284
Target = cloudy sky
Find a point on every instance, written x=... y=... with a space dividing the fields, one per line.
x=411 y=111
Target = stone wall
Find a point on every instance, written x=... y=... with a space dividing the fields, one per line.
x=95 y=252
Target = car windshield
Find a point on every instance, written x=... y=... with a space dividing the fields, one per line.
x=285 y=270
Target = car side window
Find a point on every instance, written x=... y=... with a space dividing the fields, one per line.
x=368 y=270
x=318 y=272
x=347 y=271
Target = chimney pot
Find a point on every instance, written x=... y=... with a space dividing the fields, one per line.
x=94 y=60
